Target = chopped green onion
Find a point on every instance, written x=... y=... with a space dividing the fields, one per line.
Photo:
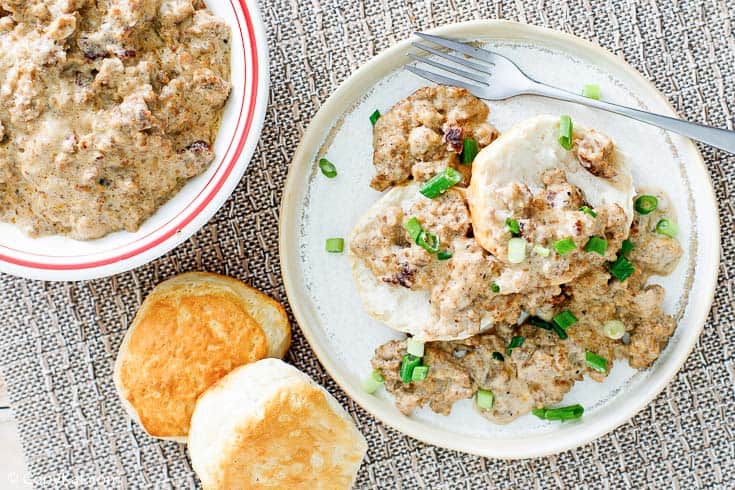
x=374 y=117
x=485 y=399
x=372 y=383
x=515 y=342
x=597 y=245
x=516 y=250
x=541 y=251
x=626 y=247
x=540 y=323
x=513 y=226
x=469 y=151
x=428 y=241
x=498 y=356
x=441 y=183
x=543 y=324
x=621 y=269
x=614 y=329
x=408 y=364
x=495 y=288
x=369 y=385
x=415 y=347
x=591 y=91
x=564 y=246
x=598 y=363
x=667 y=227
x=327 y=168
x=565 y=319
x=565 y=132
x=420 y=373
x=424 y=239
x=588 y=210
x=560 y=332
x=444 y=255
x=562 y=413
x=414 y=229
x=646 y=204
x=335 y=245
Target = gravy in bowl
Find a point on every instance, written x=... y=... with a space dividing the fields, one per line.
x=106 y=110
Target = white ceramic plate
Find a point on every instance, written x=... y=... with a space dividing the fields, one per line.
x=320 y=286
x=61 y=258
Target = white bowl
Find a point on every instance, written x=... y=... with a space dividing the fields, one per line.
x=59 y=258
x=320 y=286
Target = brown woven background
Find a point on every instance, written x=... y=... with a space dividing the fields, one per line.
x=58 y=341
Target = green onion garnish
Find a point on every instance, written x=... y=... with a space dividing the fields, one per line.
x=565 y=132
x=560 y=332
x=588 y=210
x=541 y=251
x=598 y=363
x=327 y=168
x=513 y=226
x=540 y=323
x=485 y=399
x=597 y=245
x=469 y=151
x=441 y=183
x=415 y=347
x=621 y=269
x=495 y=288
x=428 y=241
x=424 y=239
x=614 y=329
x=668 y=228
x=515 y=342
x=562 y=413
x=373 y=382
x=374 y=117
x=444 y=255
x=564 y=246
x=646 y=204
x=420 y=373
x=591 y=91
x=414 y=229
x=335 y=245
x=543 y=324
x=498 y=356
x=565 y=319
x=626 y=247
x=516 y=250
x=408 y=364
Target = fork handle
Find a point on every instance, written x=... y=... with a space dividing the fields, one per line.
x=719 y=138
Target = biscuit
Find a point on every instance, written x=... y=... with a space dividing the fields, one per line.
x=268 y=425
x=190 y=332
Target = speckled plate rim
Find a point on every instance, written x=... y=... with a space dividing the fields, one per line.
x=618 y=411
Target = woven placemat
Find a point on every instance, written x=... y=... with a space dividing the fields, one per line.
x=58 y=341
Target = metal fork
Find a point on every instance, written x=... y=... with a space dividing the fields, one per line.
x=492 y=76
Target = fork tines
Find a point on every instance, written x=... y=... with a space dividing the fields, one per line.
x=480 y=71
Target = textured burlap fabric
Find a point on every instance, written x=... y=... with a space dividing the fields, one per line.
x=58 y=341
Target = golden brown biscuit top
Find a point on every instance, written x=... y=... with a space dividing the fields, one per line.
x=184 y=340
x=300 y=442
